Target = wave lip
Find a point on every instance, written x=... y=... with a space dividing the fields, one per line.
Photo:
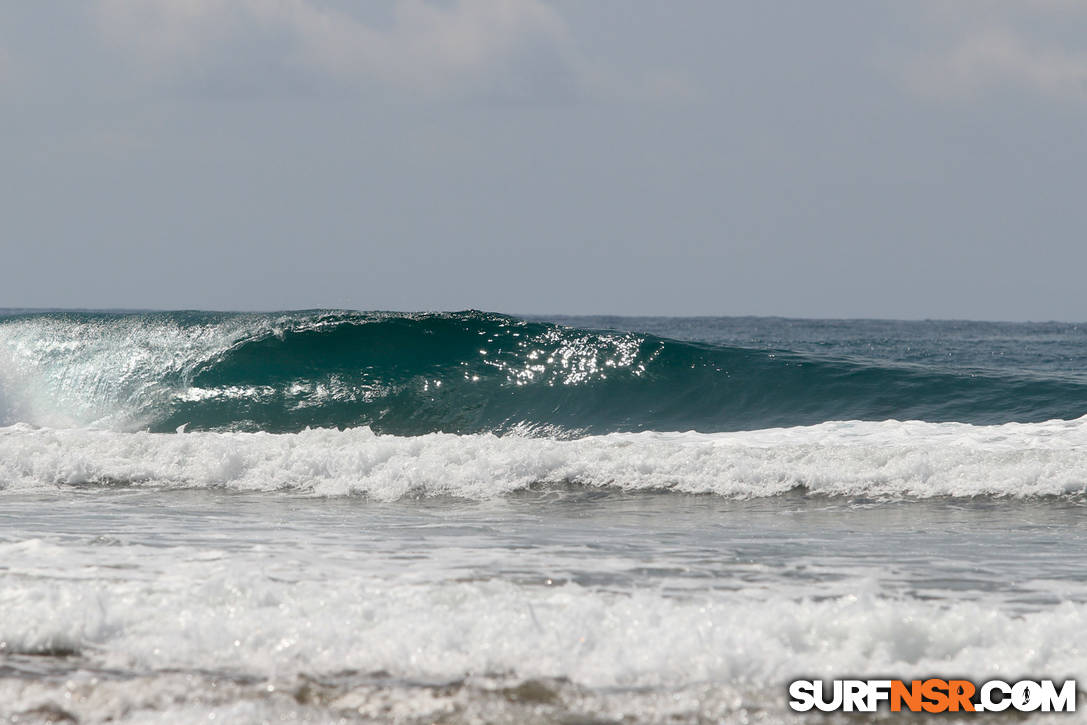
x=887 y=460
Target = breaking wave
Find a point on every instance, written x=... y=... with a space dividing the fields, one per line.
x=469 y=372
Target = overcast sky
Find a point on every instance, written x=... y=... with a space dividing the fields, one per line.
x=816 y=159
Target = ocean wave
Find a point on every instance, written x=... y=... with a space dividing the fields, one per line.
x=470 y=372
x=888 y=459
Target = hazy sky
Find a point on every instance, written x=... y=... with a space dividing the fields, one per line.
x=834 y=159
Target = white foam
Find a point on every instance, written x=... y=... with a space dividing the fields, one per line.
x=887 y=459
x=198 y=613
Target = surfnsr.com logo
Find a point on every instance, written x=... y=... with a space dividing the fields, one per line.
x=932 y=695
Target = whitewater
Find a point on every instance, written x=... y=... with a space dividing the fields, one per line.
x=335 y=516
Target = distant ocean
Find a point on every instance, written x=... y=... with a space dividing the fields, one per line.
x=330 y=516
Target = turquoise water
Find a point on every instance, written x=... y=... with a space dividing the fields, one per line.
x=474 y=372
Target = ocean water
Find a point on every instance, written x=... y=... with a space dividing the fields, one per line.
x=332 y=516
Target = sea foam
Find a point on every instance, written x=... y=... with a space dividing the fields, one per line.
x=226 y=615
x=880 y=459
x=197 y=608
